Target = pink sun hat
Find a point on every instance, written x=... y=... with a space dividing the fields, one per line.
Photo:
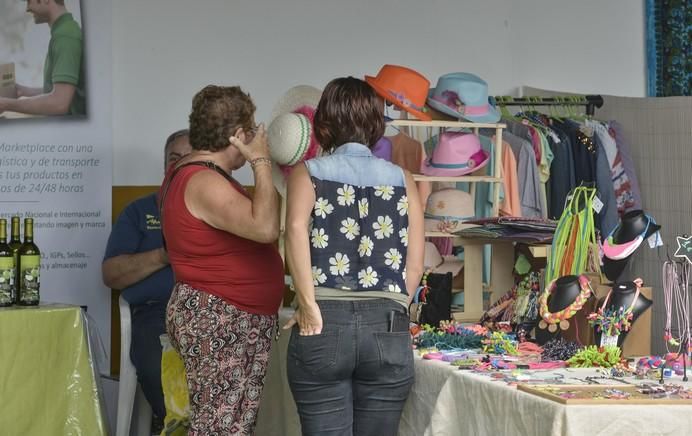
x=455 y=154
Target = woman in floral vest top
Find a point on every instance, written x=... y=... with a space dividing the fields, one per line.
x=354 y=243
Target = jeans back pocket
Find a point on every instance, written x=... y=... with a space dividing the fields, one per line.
x=395 y=350
x=315 y=353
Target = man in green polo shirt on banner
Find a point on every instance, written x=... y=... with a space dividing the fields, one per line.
x=63 y=71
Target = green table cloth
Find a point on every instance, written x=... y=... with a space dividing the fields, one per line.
x=48 y=383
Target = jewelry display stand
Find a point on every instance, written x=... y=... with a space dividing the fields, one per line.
x=637 y=343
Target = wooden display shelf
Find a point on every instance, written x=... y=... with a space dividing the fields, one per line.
x=460 y=179
x=540 y=250
x=464 y=316
x=449 y=124
x=502 y=260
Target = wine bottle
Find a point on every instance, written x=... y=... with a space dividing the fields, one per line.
x=30 y=266
x=15 y=243
x=7 y=273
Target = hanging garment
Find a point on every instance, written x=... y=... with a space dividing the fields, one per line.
x=527 y=174
x=607 y=141
x=540 y=140
x=583 y=151
x=625 y=181
x=406 y=152
x=562 y=180
x=511 y=205
x=607 y=218
x=515 y=127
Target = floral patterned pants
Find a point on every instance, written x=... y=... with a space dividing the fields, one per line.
x=226 y=353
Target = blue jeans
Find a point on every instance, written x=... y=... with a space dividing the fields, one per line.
x=354 y=377
x=148 y=323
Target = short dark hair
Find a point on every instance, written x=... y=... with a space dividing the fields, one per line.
x=349 y=111
x=217 y=111
x=175 y=135
x=172 y=137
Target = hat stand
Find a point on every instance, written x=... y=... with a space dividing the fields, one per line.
x=502 y=259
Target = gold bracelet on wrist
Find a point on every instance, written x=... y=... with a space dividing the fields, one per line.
x=260 y=160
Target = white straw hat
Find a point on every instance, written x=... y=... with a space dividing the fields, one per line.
x=447 y=209
x=301 y=95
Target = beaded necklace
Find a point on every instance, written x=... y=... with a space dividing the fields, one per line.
x=420 y=297
x=613 y=322
x=551 y=320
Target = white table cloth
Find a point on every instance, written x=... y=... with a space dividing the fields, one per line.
x=445 y=401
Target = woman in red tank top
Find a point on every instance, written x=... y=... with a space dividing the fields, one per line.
x=229 y=275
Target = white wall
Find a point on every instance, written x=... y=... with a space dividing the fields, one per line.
x=585 y=46
x=166 y=50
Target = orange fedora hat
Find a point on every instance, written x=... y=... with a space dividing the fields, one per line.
x=404 y=88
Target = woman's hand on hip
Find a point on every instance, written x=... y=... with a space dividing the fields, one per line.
x=254 y=149
x=308 y=318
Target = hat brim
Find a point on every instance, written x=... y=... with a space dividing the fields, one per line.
x=433 y=225
x=382 y=92
x=492 y=116
x=451 y=264
x=298 y=96
x=429 y=170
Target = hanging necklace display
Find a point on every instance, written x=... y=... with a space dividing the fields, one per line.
x=676 y=293
x=575 y=237
x=614 y=251
x=611 y=322
x=551 y=320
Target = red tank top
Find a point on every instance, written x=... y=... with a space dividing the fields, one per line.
x=247 y=274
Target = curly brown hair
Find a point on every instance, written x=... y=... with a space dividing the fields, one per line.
x=349 y=111
x=217 y=112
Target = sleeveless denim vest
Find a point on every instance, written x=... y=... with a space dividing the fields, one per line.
x=359 y=225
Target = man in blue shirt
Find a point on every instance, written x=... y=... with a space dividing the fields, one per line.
x=136 y=262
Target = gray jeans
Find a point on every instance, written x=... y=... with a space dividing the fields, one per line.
x=354 y=377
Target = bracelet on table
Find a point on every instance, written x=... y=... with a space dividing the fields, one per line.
x=260 y=160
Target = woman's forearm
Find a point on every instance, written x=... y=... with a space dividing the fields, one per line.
x=265 y=202
x=298 y=257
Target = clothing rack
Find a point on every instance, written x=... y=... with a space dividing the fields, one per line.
x=590 y=102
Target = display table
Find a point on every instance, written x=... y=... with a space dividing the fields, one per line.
x=445 y=401
x=48 y=384
x=448 y=402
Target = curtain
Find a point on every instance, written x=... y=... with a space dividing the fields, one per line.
x=668 y=34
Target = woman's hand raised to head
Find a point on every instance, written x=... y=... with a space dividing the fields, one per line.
x=257 y=148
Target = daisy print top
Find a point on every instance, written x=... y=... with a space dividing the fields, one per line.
x=359 y=225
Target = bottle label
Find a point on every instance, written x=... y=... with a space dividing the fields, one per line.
x=7 y=273
x=30 y=278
